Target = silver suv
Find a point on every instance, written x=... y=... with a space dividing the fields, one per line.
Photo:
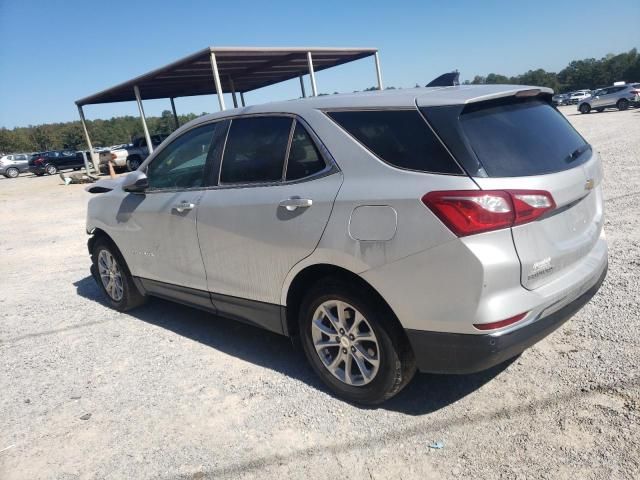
x=617 y=96
x=440 y=229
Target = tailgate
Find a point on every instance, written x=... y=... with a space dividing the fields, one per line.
x=521 y=142
x=559 y=242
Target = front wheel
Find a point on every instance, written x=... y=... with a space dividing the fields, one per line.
x=51 y=169
x=353 y=344
x=622 y=104
x=113 y=277
x=585 y=108
x=11 y=172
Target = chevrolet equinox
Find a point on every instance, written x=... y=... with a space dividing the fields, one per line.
x=435 y=229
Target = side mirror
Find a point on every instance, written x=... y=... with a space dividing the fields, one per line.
x=135 y=182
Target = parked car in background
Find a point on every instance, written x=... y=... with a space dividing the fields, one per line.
x=130 y=156
x=52 y=162
x=561 y=99
x=425 y=228
x=578 y=96
x=617 y=96
x=13 y=165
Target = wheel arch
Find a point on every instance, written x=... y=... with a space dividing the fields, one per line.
x=310 y=275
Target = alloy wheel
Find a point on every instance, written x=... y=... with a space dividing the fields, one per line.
x=12 y=172
x=345 y=343
x=110 y=275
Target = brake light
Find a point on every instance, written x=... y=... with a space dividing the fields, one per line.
x=39 y=161
x=501 y=323
x=468 y=212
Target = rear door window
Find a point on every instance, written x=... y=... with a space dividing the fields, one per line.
x=401 y=138
x=255 y=150
x=522 y=138
x=304 y=157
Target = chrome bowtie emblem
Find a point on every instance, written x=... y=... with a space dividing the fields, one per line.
x=589 y=185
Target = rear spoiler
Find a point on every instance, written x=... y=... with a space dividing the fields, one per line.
x=450 y=79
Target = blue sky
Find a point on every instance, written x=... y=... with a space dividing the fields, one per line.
x=54 y=52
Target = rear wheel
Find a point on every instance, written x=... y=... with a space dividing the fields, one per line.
x=585 y=108
x=353 y=344
x=51 y=169
x=113 y=277
x=133 y=163
x=622 y=104
x=11 y=172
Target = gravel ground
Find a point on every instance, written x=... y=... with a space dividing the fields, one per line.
x=170 y=392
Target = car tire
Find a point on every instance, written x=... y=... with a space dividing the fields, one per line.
x=585 y=108
x=622 y=104
x=51 y=169
x=379 y=365
x=133 y=163
x=113 y=277
x=11 y=172
x=600 y=110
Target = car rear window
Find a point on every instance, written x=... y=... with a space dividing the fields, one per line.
x=401 y=138
x=522 y=138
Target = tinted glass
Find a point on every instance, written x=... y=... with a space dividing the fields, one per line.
x=304 y=158
x=523 y=138
x=181 y=164
x=255 y=150
x=399 y=137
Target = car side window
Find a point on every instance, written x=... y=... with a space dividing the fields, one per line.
x=304 y=157
x=401 y=138
x=181 y=164
x=255 y=150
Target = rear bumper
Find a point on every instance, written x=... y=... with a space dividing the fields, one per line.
x=440 y=352
x=37 y=169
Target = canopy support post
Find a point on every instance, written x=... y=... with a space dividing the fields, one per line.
x=304 y=94
x=242 y=98
x=86 y=135
x=216 y=80
x=314 y=89
x=175 y=115
x=233 y=93
x=378 y=71
x=136 y=90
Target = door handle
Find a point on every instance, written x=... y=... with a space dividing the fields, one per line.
x=295 y=202
x=183 y=207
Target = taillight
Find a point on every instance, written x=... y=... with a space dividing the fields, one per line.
x=501 y=323
x=39 y=161
x=467 y=212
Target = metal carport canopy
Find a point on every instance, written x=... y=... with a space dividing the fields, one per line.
x=225 y=69
x=240 y=69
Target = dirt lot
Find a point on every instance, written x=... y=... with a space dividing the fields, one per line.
x=170 y=392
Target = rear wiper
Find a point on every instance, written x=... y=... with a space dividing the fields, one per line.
x=577 y=152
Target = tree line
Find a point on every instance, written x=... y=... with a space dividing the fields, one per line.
x=69 y=135
x=588 y=73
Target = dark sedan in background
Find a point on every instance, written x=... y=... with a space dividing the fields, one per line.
x=53 y=161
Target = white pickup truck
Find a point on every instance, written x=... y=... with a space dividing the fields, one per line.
x=131 y=155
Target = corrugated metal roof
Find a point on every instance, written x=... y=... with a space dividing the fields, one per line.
x=248 y=68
